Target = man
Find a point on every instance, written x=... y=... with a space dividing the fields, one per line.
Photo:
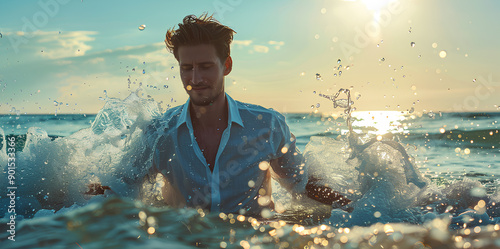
x=217 y=153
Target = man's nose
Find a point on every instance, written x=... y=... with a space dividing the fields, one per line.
x=196 y=76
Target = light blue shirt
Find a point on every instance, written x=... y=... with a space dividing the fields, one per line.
x=254 y=136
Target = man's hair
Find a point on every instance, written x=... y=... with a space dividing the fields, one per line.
x=200 y=30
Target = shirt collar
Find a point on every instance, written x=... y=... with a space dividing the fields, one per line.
x=233 y=114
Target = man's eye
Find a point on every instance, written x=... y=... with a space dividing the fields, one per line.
x=186 y=68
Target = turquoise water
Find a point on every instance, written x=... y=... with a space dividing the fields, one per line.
x=445 y=197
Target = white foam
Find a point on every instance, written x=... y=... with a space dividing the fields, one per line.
x=113 y=152
x=386 y=187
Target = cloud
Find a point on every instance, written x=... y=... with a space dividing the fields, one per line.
x=242 y=42
x=260 y=49
x=96 y=60
x=63 y=45
x=277 y=44
x=63 y=62
x=152 y=54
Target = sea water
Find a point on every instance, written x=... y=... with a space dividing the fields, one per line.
x=416 y=181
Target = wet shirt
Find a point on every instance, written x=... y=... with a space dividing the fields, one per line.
x=241 y=177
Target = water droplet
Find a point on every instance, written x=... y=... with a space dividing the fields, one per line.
x=56 y=103
x=442 y=54
x=314 y=92
x=335 y=74
x=473 y=80
x=340 y=73
x=434 y=45
x=383 y=59
x=412 y=109
x=316 y=37
x=338 y=61
x=409 y=30
x=142 y=27
x=342 y=103
x=318 y=76
x=317 y=105
x=412 y=44
x=143 y=71
x=1 y=36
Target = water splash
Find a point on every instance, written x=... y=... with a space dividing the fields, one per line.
x=345 y=103
x=379 y=176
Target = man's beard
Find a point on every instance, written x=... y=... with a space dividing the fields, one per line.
x=205 y=101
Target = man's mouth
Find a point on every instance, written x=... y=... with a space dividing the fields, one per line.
x=198 y=88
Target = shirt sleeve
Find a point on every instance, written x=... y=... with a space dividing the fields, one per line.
x=289 y=164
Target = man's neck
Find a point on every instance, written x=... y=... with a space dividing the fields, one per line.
x=210 y=116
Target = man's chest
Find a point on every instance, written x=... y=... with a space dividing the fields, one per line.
x=238 y=146
x=208 y=142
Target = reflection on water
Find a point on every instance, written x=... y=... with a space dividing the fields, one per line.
x=381 y=122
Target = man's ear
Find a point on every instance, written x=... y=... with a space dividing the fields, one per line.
x=228 y=65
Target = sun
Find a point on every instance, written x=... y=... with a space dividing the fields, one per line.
x=376 y=5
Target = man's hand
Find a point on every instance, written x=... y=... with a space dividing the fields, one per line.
x=96 y=189
x=325 y=194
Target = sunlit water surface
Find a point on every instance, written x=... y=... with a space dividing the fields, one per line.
x=445 y=195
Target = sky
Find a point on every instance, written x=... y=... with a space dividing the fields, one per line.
x=67 y=56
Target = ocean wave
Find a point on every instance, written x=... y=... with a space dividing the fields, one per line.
x=482 y=138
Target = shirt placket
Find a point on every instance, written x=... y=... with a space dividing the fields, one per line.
x=215 y=180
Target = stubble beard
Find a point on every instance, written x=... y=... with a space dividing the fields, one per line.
x=205 y=101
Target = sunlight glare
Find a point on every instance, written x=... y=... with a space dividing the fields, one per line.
x=382 y=121
x=375 y=5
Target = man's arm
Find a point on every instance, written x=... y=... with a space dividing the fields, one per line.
x=290 y=169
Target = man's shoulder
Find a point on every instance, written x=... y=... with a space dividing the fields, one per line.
x=248 y=110
x=172 y=113
x=166 y=120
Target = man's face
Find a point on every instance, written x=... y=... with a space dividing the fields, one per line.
x=202 y=73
